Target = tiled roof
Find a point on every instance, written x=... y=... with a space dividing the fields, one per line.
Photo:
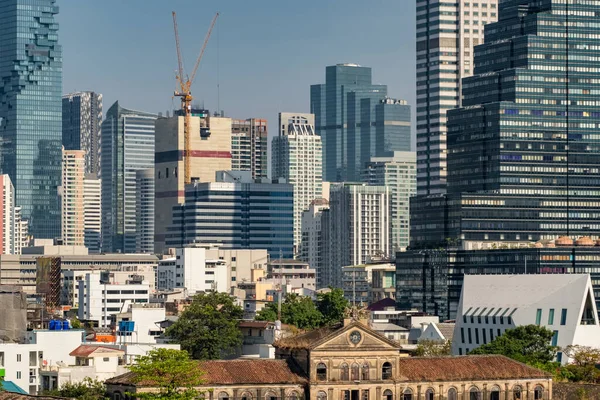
x=87 y=350
x=255 y=324
x=446 y=329
x=236 y=372
x=17 y=396
x=430 y=369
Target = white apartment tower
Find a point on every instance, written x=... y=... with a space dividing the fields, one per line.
x=297 y=156
x=21 y=230
x=313 y=244
x=7 y=208
x=72 y=204
x=92 y=209
x=446 y=35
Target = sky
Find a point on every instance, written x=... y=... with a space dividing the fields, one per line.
x=263 y=54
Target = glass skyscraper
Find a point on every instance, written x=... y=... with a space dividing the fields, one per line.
x=30 y=109
x=356 y=121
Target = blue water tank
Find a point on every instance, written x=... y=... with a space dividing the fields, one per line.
x=130 y=326
x=58 y=325
x=65 y=325
x=52 y=325
x=122 y=326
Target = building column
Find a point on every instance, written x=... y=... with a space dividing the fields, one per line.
x=441 y=393
x=464 y=391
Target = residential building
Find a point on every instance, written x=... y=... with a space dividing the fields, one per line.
x=447 y=33
x=81 y=120
x=99 y=298
x=399 y=174
x=92 y=210
x=312 y=244
x=265 y=223
x=144 y=181
x=563 y=303
x=8 y=220
x=297 y=157
x=30 y=110
x=142 y=326
x=72 y=198
x=127 y=139
x=358 y=225
x=356 y=121
x=210 y=151
x=393 y=332
x=296 y=274
x=368 y=283
x=249 y=146
x=21 y=231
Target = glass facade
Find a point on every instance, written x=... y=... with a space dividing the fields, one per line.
x=356 y=121
x=30 y=109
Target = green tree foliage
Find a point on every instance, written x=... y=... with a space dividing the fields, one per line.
x=170 y=372
x=529 y=344
x=582 y=367
x=88 y=389
x=208 y=328
x=296 y=310
x=76 y=324
x=332 y=305
x=430 y=348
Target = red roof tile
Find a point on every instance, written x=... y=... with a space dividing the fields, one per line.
x=17 y=396
x=86 y=350
x=429 y=369
x=255 y=324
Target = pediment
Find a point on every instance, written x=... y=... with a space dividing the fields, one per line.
x=355 y=337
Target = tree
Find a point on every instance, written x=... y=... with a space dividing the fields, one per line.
x=296 y=310
x=430 y=348
x=208 y=327
x=529 y=344
x=76 y=324
x=332 y=306
x=88 y=389
x=583 y=364
x=170 y=372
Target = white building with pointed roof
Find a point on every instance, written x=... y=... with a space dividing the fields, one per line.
x=491 y=304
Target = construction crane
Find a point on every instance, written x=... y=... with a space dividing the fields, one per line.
x=185 y=85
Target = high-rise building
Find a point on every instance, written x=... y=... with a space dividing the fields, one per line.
x=92 y=209
x=127 y=139
x=21 y=231
x=312 y=246
x=356 y=121
x=72 y=198
x=446 y=35
x=249 y=146
x=7 y=217
x=358 y=225
x=237 y=213
x=144 y=180
x=210 y=152
x=81 y=120
x=30 y=109
x=297 y=158
x=399 y=174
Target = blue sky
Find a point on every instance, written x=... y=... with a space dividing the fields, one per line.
x=264 y=53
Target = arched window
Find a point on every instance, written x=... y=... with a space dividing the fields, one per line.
x=538 y=393
x=321 y=372
x=386 y=371
x=344 y=372
x=365 y=372
x=246 y=396
x=355 y=372
x=429 y=394
x=517 y=393
x=223 y=396
x=407 y=394
x=495 y=393
x=474 y=394
x=270 y=395
x=452 y=394
x=321 y=396
x=388 y=395
x=294 y=395
x=117 y=396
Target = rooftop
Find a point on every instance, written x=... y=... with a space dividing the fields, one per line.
x=94 y=351
x=446 y=329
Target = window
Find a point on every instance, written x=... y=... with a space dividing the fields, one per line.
x=406 y=395
x=538 y=393
x=538 y=317
x=551 y=316
x=559 y=356
x=386 y=371
x=469 y=334
x=105 y=359
x=555 y=338
x=344 y=372
x=495 y=393
x=474 y=394
x=452 y=394
x=1 y=359
x=462 y=335
x=321 y=372
x=563 y=316
x=223 y=396
x=18 y=358
x=18 y=374
x=321 y=396
x=270 y=396
x=429 y=394
x=355 y=372
x=365 y=372
x=517 y=393
x=477 y=335
x=246 y=396
x=365 y=394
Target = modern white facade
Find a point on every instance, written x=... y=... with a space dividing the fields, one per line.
x=72 y=197
x=297 y=156
x=146 y=329
x=491 y=304
x=399 y=174
x=446 y=35
x=312 y=244
x=92 y=209
x=7 y=208
x=21 y=231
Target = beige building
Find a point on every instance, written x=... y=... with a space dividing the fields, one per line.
x=210 y=152
x=72 y=195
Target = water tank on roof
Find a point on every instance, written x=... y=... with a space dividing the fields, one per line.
x=65 y=325
x=52 y=325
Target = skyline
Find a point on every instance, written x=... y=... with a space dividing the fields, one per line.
x=142 y=77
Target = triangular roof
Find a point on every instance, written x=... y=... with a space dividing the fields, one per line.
x=95 y=351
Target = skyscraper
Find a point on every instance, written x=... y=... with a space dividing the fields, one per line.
x=92 y=205
x=144 y=180
x=356 y=121
x=399 y=174
x=312 y=246
x=7 y=215
x=297 y=158
x=249 y=144
x=127 y=139
x=81 y=120
x=30 y=109
x=446 y=35
x=72 y=198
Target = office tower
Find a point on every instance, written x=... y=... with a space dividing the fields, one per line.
x=297 y=158
x=399 y=174
x=144 y=180
x=237 y=213
x=7 y=208
x=30 y=109
x=356 y=121
x=21 y=231
x=72 y=198
x=312 y=246
x=210 y=151
x=127 y=139
x=249 y=146
x=92 y=209
x=446 y=35
x=81 y=120
x=358 y=222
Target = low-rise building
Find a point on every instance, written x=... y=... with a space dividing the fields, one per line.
x=368 y=283
x=438 y=332
x=296 y=273
x=143 y=324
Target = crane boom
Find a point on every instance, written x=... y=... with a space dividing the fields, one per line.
x=180 y=72
x=212 y=25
